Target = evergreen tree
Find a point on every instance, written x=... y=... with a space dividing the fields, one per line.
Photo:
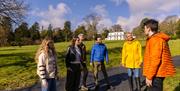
x=34 y=32
x=22 y=35
x=67 y=30
x=50 y=32
x=80 y=29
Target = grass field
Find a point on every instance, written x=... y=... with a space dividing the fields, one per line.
x=18 y=69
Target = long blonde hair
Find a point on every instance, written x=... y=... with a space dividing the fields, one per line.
x=46 y=45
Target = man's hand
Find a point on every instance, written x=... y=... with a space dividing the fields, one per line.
x=57 y=78
x=69 y=69
x=91 y=64
x=123 y=65
x=44 y=83
x=107 y=62
x=148 y=82
x=139 y=63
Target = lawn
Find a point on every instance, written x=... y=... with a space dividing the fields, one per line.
x=173 y=83
x=18 y=68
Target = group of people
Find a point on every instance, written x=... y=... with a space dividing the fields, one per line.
x=76 y=62
x=157 y=62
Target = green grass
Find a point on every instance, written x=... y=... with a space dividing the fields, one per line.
x=175 y=47
x=18 y=68
x=173 y=83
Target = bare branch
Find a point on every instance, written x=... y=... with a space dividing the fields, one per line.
x=92 y=21
x=14 y=9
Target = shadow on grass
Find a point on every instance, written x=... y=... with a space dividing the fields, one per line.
x=177 y=88
x=7 y=49
x=25 y=58
x=15 y=54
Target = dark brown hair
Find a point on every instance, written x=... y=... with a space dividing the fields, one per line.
x=152 y=24
x=73 y=41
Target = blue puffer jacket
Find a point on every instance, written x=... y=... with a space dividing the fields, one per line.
x=98 y=52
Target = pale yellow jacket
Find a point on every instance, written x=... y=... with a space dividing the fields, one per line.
x=131 y=54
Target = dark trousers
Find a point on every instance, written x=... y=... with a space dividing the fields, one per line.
x=51 y=85
x=73 y=78
x=157 y=84
x=101 y=66
x=85 y=73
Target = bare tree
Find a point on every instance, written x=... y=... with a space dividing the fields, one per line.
x=92 y=21
x=14 y=9
x=117 y=28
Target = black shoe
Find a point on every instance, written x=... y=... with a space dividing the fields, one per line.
x=110 y=87
x=96 y=87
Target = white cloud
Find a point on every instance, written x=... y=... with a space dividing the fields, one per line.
x=100 y=9
x=117 y=2
x=152 y=6
x=105 y=20
x=140 y=9
x=129 y=23
x=104 y=23
x=54 y=15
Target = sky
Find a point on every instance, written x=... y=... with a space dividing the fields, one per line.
x=127 y=13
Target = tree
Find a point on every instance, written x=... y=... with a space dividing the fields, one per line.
x=34 y=32
x=138 y=31
x=80 y=29
x=117 y=28
x=169 y=25
x=178 y=28
x=92 y=20
x=105 y=33
x=22 y=35
x=50 y=31
x=67 y=30
x=43 y=33
x=59 y=35
x=178 y=25
x=13 y=9
x=6 y=34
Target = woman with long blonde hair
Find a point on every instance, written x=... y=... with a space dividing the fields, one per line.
x=46 y=65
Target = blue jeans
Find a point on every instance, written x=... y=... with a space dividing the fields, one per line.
x=51 y=85
x=133 y=72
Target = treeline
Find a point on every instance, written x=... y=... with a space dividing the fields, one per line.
x=25 y=35
x=29 y=35
x=170 y=25
x=13 y=12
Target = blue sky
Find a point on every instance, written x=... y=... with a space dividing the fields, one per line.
x=127 y=13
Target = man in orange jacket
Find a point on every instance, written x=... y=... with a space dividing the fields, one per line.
x=157 y=58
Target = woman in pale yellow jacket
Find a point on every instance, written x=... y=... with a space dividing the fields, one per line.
x=132 y=59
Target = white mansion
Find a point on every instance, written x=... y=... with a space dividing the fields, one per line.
x=115 y=36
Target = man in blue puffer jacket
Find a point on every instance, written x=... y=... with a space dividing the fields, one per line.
x=98 y=53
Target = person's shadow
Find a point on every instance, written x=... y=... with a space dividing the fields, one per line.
x=114 y=80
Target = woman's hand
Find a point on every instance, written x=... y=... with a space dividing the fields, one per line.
x=44 y=83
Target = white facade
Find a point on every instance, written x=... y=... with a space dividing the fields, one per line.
x=115 y=36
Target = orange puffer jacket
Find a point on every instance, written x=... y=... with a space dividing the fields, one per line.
x=157 y=57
